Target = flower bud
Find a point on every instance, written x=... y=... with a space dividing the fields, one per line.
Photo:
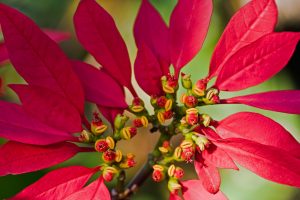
x=183 y=98
x=140 y=122
x=109 y=173
x=137 y=105
x=169 y=84
x=191 y=101
x=158 y=173
x=201 y=142
x=161 y=101
x=109 y=156
x=168 y=105
x=165 y=148
x=206 y=119
x=119 y=156
x=199 y=88
x=173 y=185
x=160 y=116
x=85 y=136
x=179 y=173
x=171 y=170
x=212 y=96
x=120 y=121
x=192 y=117
x=101 y=145
x=186 y=81
x=110 y=141
x=188 y=150
x=97 y=126
x=128 y=162
x=177 y=153
x=128 y=132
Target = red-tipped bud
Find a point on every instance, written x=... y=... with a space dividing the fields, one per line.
x=128 y=132
x=86 y=136
x=161 y=101
x=168 y=114
x=186 y=81
x=120 y=121
x=165 y=148
x=199 y=88
x=101 y=145
x=169 y=84
x=212 y=96
x=173 y=185
x=109 y=173
x=179 y=173
x=128 y=162
x=140 y=122
x=137 y=105
x=191 y=101
x=188 y=154
x=109 y=156
x=158 y=173
x=97 y=126
x=192 y=117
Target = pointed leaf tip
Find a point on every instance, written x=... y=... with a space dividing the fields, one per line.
x=251 y=22
x=188 y=28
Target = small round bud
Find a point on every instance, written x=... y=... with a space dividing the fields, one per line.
x=109 y=156
x=161 y=101
x=169 y=84
x=161 y=117
x=110 y=141
x=140 y=122
x=85 y=136
x=177 y=153
x=206 y=119
x=179 y=173
x=137 y=105
x=97 y=126
x=119 y=156
x=158 y=173
x=191 y=101
x=188 y=154
x=171 y=170
x=202 y=142
x=101 y=145
x=173 y=185
x=128 y=162
x=120 y=121
x=168 y=105
x=212 y=96
x=128 y=132
x=109 y=173
x=199 y=88
x=183 y=98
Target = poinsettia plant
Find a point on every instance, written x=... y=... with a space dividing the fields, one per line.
x=50 y=125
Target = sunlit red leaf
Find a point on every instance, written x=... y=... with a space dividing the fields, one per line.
x=254 y=20
x=151 y=30
x=258 y=128
x=218 y=158
x=18 y=158
x=18 y=126
x=257 y=62
x=57 y=184
x=188 y=28
x=49 y=107
x=37 y=58
x=99 y=87
x=193 y=190
x=94 y=191
x=268 y=162
x=147 y=71
x=287 y=101
x=208 y=174
x=97 y=32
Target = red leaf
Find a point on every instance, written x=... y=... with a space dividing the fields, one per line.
x=18 y=126
x=37 y=58
x=251 y=22
x=18 y=158
x=193 y=190
x=97 y=32
x=49 y=107
x=3 y=53
x=258 y=128
x=57 y=184
x=57 y=36
x=99 y=87
x=188 y=28
x=266 y=161
x=147 y=71
x=287 y=101
x=151 y=30
x=257 y=62
x=208 y=174
x=218 y=158
x=95 y=191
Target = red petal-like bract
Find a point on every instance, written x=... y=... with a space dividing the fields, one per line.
x=110 y=113
x=99 y=87
x=251 y=22
x=287 y=101
x=257 y=62
x=193 y=190
x=49 y=107
x=37 y=58
x=147 y=71
x=268 y=162
x=57 y=36
x=174 y=197
x=3 y=53
x=94 y=191
x=18 y=158
x=208 y=174
x=97 y=32
x=218 y=158
x=150 y=29
x=258 y=128
x=188 y=28
x=57 y=184
x=18 y=126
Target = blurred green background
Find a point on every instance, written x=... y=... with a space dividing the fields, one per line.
x=242 y=185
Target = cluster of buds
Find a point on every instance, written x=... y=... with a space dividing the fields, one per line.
x=193 y=117
x=169 y=84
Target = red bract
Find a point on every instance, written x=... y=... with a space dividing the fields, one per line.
x=248 y=53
